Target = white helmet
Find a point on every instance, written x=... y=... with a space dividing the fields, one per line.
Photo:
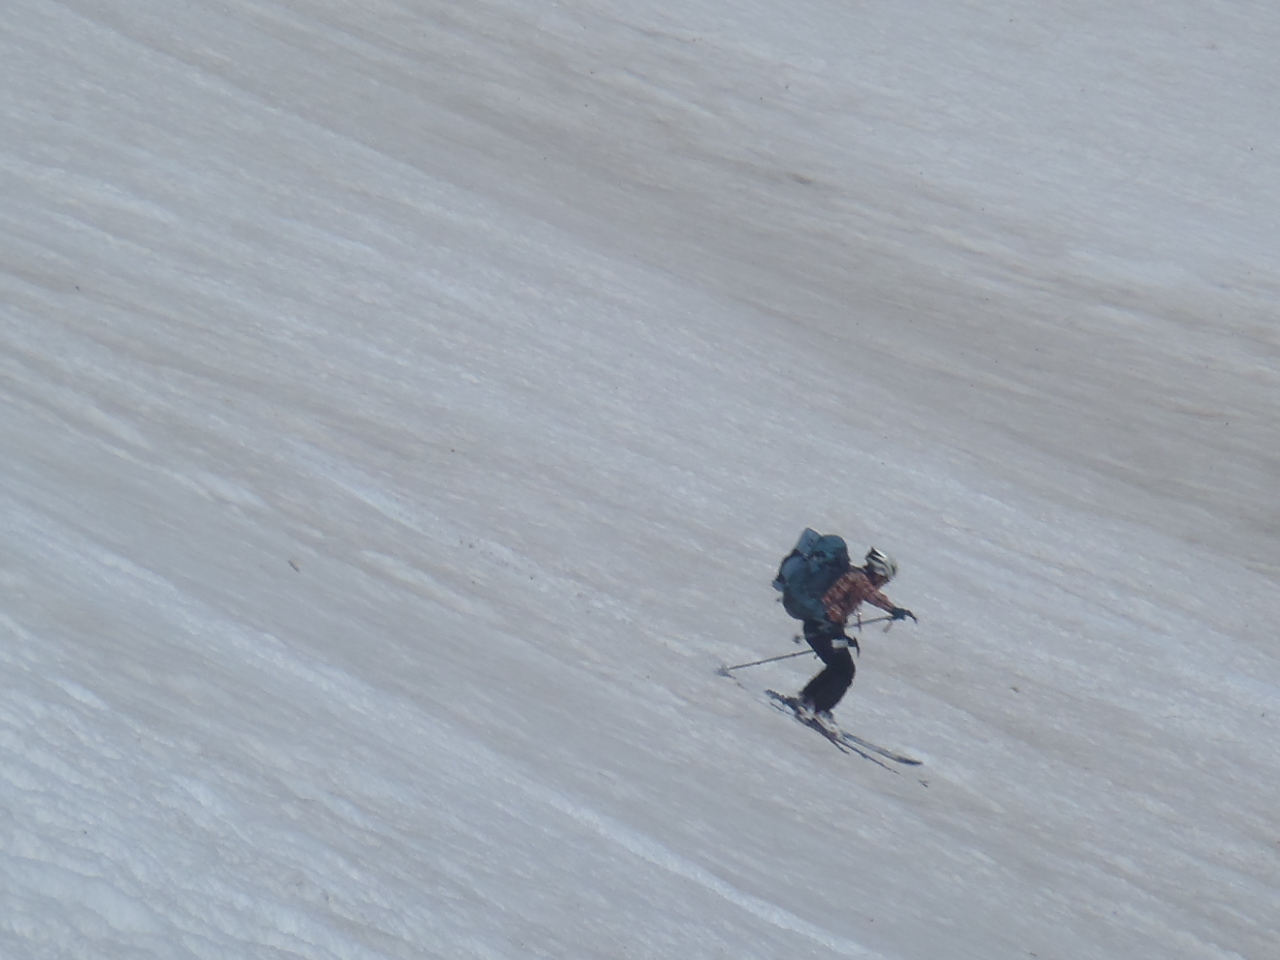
x=881 y=564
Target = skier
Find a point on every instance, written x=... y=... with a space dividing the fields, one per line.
x=831 y=643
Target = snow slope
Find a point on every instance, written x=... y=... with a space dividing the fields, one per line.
x=406 y=405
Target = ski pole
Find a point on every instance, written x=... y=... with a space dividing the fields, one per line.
x=862 y=623
x=724 y=671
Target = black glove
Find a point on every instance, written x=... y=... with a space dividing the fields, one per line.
x=901 y=613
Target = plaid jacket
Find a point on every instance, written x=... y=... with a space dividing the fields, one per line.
x=849 y=592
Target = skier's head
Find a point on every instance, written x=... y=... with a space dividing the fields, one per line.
x=880 y=565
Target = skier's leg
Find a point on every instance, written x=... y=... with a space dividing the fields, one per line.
x=819 y=634
x=825 y=690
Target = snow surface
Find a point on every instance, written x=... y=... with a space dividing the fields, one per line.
x=406 y=405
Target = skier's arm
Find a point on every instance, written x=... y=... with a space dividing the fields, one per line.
x=878 y=599
x=848 y=592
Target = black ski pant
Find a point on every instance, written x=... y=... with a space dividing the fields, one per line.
x=825 y=690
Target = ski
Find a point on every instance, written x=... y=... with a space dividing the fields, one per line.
x=883 y=751
x=835 y=737
x=850 y=742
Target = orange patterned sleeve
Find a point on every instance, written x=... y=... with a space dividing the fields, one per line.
x=847 y=593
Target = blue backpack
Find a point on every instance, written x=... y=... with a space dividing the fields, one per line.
x=808 y=572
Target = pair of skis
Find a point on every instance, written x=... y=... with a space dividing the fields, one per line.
x=844 y=742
